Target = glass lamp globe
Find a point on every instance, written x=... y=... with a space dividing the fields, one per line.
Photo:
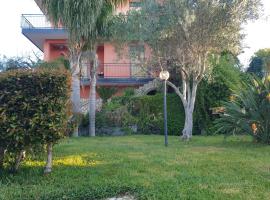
x=164 y=75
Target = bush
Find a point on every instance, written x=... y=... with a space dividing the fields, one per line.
x=60 y=62
x=215 y=89
x=248 y=112
x=124 y=99
x=106 y=93
x=149 y=112
x=34 y=109
x=113 y=114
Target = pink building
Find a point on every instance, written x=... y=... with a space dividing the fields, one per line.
x=113 y=71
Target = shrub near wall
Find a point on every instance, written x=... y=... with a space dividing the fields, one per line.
x=34 y=110
x=149 y=111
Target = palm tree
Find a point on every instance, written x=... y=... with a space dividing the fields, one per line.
x=86 y=22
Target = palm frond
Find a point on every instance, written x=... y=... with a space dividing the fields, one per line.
x=249 y=113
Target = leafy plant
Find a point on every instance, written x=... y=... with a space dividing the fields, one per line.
x=57 y=63
x=248 y=112
x=149 y=112
x=113 y=114
x=124 y=99
x=216 y=88
x=260 y=63
x=34 y=110
x=106 y=92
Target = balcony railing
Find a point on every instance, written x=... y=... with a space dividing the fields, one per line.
x=118 y=70
x=36 y=21
x=125 y=70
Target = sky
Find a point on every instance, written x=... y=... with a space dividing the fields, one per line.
x=13 y=43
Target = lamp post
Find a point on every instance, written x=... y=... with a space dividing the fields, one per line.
x=164 y=75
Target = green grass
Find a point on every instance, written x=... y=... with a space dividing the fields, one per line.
x=96 y=168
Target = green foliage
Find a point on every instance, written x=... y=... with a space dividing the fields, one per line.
x=60 y=62
x=113 y=114
x=14 y=63
x=84 y=20
x=260 y=63
x=124 y=99
x=34 y=108
x=183 y=34
x=216 y=88
x=106 y=92
x=249 y=112
x=129 y=92
x=149 y=112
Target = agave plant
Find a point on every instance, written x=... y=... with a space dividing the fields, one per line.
x=248 y=112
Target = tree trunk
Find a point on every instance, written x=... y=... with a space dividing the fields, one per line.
x=187 y=131
x=75 y=96
x=48 y=167
x=189 y=108
x=18 y=161
x=76 y=93
x=76 y=131
x=2 y=155
x=92 y=99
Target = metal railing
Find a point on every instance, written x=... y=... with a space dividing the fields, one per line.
x=118 y=70
x=125 y=70
x=36 y=21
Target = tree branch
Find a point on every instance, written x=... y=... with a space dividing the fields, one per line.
x=177 y=91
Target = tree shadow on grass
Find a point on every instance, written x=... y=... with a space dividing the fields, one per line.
x=73 y=177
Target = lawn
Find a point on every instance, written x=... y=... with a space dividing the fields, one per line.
x=96 y=168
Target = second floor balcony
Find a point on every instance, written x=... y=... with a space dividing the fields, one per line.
x=117 y=74
x=52 y=41
x=37 y=29
x=36 y=21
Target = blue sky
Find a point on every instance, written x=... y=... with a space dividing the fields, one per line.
x=13 y=43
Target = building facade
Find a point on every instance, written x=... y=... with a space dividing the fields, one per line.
x=113 y=70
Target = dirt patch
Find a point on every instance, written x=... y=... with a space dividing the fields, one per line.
x=122 y=198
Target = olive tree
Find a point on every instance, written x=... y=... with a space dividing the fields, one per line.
x=183 y=34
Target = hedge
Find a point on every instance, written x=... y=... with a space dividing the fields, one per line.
x=149 y=111
x=34 y=109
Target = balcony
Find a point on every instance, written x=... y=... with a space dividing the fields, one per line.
x=120 y=74
x=36 y=21
x=37 y=29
